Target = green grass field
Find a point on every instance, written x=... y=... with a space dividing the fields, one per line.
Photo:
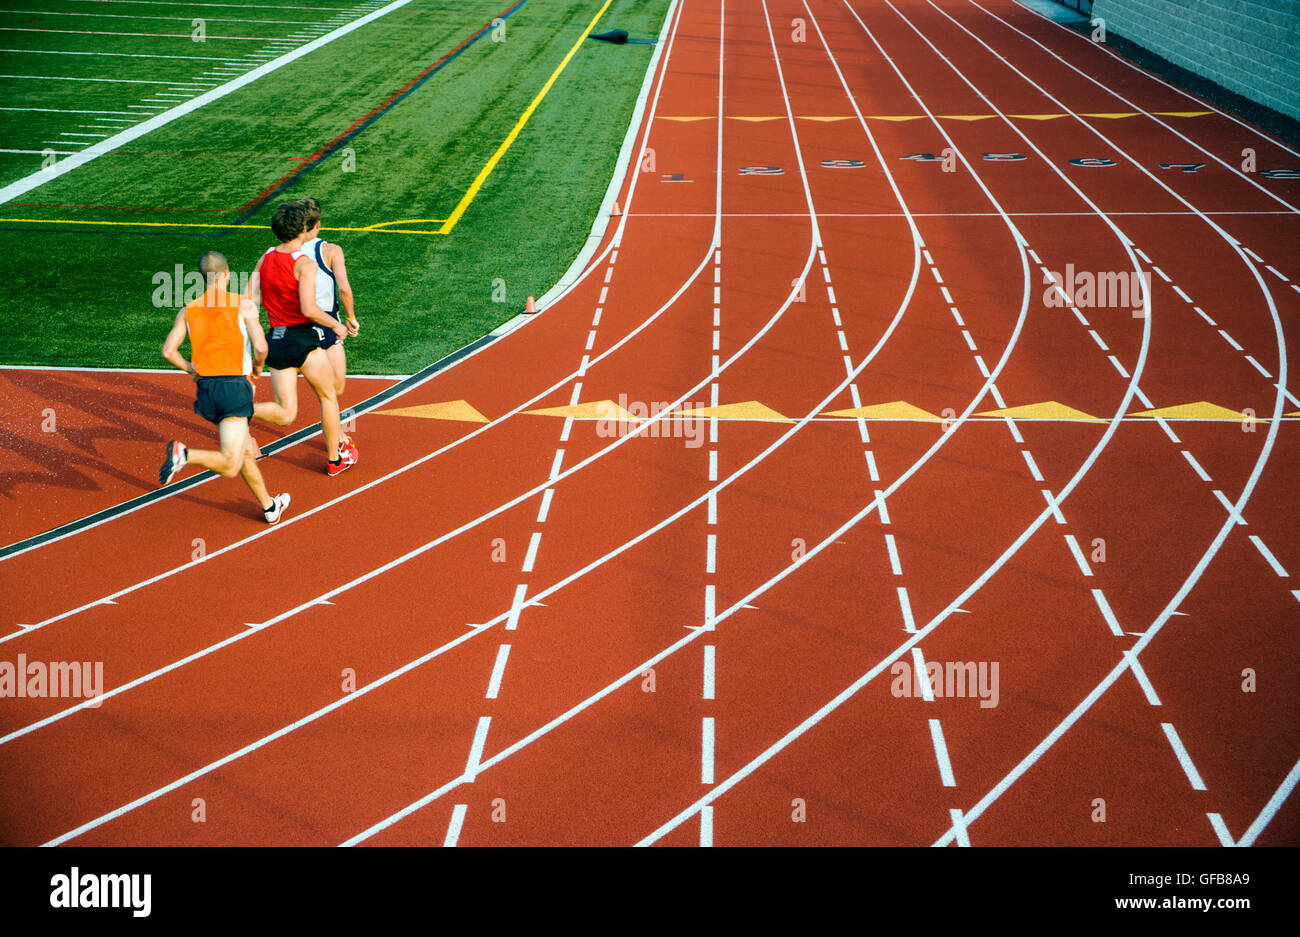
x=83 y=293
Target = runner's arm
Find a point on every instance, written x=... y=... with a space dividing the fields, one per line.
x=171 y=349
x=340 y=269
x=253 y=324
x=306 y=271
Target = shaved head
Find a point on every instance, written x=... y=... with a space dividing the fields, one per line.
x=212 y=265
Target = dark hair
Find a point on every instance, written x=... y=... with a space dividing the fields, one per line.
x=289 y=220
x=313 y=212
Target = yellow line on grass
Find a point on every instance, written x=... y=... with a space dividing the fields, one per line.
x=486 y=171
x=372 y=229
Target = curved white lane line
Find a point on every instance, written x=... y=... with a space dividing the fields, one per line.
x=1139 y=109
x=1111 y=428
x=876 y=500
x=1129 y=660
x=1142 y=71
x=539 y=596
x=366 y=406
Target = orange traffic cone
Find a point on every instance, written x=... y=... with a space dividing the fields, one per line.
x=531 y=307
x=617 y=210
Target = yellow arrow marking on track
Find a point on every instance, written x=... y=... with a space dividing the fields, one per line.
x=897 y=410
x=595 y=410
x=749 y=410
x=1201 y=410
x=457 y=410
x=1047 y=410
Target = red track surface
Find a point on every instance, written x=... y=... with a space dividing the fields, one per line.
x=758 y=560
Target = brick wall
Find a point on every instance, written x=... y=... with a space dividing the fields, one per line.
x=1251 y=47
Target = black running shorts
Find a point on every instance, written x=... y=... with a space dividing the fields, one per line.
x=291 y=344
x=222 y=397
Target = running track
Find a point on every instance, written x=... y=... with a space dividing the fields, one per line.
x=530 y=631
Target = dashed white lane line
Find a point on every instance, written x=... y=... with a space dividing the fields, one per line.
x=706 y=826
x=710 y=672
x=1277 y=273
x=1078 y=555
x=1051 y=503
x=1230 y=340
x=545 y=509
x=706 y=750
x=905 y=605
x=922 y=678
x=1258 y=367
x=498 y=671
x=1033 y=466
x=476 y=748
x=454 y=827
x=533 y=543
x=1107 y=614
x=1119 y=367
x=1135 y=666
x=893 y=555
x=958 y=827
x=516 y=606
x=1184 y=759
x=1268 y=555
x=941 y=754
x=1196 y=466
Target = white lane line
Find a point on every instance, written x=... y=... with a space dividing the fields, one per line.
x=1164 y=425
x=1258 y=367
x=1033 y=467
x=959 y=826
x=956 y=315
x=42 y=176
x=937 y=278
x=1184 y=759
x=893 y=555
x=1051 y=503
x=1078 y=555
x=905 y=604
x=1014 y=430
x=533 y=543
x=1164 y=276
x=710 y=671
x=476 y=748
x=1097 y=338
x=1107 y=614
x=871 y=466
x=1230 y=340
x=1221 y=829
x=711 y=554
x=1201 y=313
x=1179 y=291
x=941 y=754
x=880 y=505
x=706 y=827
x=516 y=606
x=830 y=294
x=556 y=463
x=1271 y=808
x=970 y=342
x=1119 y=367
x=1196 y=466
x=498 y=671
x=1277 y=273
x=546 y=505
x=984 y=368
x=454 y=827
x=706 y=750
x=922 y=678
x=1230 y=508
x=710 y=606
x=1268 y=555
x=947 y=297
x=1147 y=689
